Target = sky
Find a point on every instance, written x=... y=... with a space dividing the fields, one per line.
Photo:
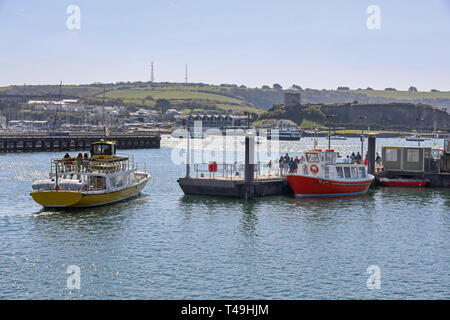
x=315 y=44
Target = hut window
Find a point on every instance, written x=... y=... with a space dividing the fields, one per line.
x=413 y=155
x=391 y=154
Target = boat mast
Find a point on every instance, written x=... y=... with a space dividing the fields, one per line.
x=59 y=103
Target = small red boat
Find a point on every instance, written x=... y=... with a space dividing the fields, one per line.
x=321 y=176
x=403 y=182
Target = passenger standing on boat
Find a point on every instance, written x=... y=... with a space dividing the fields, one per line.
x=352 y=157
x=292 y=166
x=269 y=165
x=67 y=162
x=297 y=160
x=79 y=161
x=86 y=161
x=358 y=157
x=302 y=159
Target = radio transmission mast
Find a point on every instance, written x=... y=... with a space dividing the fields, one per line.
x=186 y=75
x=152 y=77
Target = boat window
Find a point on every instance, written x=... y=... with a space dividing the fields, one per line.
x=339 y=171
x=347 y=172
x=305 y=169
x=112 y=182
x=327 y=171
x=354 y=172
x=362 y=172
x=102 y=149
x=330 y=157
x=312 y=157
x=120 y=181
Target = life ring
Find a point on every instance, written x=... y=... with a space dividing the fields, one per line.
x=314 y=169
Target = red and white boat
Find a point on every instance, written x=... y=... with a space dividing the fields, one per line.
x=320 y=175
x=403 y=182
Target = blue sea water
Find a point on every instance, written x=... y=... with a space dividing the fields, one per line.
x=164 y=245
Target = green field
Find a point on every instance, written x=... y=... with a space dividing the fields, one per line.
x=404 y=95
x=170 y=95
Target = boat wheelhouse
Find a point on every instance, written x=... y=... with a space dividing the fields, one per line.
x=321 y=175
x=101 y=178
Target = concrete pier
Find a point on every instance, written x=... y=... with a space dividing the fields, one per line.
x=79 y=141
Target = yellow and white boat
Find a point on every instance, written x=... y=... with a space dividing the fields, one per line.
x=101 y=178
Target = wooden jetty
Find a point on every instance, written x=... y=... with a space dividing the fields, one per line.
x=41 y=142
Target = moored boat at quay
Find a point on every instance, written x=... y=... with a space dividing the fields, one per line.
x=320 y=175
x=403 y=182
x=98 y=179
x=289 y=135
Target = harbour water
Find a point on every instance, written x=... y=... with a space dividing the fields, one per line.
x=164 y=245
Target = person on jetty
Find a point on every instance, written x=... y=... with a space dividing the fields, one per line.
x=378 y=159
x=286 y=163
x=281 y=165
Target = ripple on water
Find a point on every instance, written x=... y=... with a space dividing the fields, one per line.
x=163 y=245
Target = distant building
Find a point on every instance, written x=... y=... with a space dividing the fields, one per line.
x=283 y=124
x=27 y=125
x=212 y=121
x=292 y=99
x=2 y=122
x=143 y=116
x=170 y=114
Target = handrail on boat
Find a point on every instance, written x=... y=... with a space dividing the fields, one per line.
x=109 y=165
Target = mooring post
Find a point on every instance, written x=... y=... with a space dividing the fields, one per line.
x=371 y=146
x=249 y=166
x=188 y=156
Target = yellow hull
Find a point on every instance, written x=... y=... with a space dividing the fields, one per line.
x=64 y=199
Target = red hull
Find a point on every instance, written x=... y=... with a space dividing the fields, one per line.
x=403 y=183
x=312 y=187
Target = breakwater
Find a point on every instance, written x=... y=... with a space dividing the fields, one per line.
x=40 y=142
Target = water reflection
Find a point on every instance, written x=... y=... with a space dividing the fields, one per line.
x=109 y=219
x=249 y=219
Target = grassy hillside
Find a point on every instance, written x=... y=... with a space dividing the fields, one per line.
x=215 y=98
x=404 y=95
x=396 y=116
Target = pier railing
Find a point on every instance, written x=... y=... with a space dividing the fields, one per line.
x=234 y=170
